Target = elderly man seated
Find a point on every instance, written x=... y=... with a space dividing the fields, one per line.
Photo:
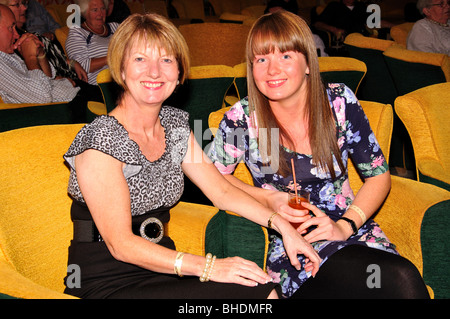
x=431 y=34
x=28 y=77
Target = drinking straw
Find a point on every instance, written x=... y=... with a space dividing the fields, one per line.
x=295 y=180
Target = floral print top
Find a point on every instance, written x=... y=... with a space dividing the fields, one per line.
x=236 y=140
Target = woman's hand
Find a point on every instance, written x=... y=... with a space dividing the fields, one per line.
x=278 y=202
x=239 y=271
x=326 y=229
x=81 y=73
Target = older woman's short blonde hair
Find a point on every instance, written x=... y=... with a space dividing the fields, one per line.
x=144 y=29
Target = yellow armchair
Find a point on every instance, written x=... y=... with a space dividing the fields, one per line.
x=216 y=43
x=59 y=13
x=377 y=85
x=400 y=32
x=425 y=115
x=408 y=67
x=35 y=224
x=411 y=213
x=61 y=35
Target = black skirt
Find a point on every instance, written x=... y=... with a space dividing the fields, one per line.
x=103 y=276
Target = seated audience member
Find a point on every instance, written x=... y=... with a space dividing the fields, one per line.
x=55 y=55
x=292 y=6
x=39 y=20
x=118 y=11
x=30 y=78
x=345 y=17
x=88 y=44
x=53 y=52
x=432 y=33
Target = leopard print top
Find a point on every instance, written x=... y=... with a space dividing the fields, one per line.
x=152 y=184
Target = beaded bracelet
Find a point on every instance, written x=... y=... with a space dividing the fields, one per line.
x=178 y=263
x=359 y=211
x=206 y=275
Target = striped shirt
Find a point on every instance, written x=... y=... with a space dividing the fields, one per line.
x=83 y=45
x=20 y=85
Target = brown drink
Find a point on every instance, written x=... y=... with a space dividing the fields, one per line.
x=295 y=201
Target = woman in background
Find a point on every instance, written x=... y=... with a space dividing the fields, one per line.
x=88 y=44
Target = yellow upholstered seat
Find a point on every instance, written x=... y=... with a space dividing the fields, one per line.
x=156 y=6
x=408 y=68
x=61 y=35
x=400 y=32
x=191 y=11
x=59 y=13
x=412 y=70
x=216 y=43
x=425 y=114
x=343 y=70
x=406 y=214
x=135 y=6
x=377 y=85
x=35 y=224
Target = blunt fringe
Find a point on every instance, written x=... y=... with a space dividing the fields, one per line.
x=288 y=32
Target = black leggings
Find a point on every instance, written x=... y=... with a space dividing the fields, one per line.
x=360 y=272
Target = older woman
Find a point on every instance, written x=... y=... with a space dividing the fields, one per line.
x=431 y=34
x=88 y=44
x=128 y=166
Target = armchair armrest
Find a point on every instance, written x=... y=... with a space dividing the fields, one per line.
x=431 y=172
x=187 y=226
x=415 y=218
x=402 y=213
x=14 y=284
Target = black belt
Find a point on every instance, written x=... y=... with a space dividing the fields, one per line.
x=151 y=229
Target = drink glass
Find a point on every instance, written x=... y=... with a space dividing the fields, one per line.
x=296 y=202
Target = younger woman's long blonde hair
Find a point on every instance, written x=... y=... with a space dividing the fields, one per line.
x=288 y=32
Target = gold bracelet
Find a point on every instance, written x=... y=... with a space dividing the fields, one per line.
x=360 y=212
x=178 y=263
x=269 y=222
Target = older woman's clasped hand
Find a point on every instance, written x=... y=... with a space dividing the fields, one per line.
x=239 y=271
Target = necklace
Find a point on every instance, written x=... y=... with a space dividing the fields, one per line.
x=98 y=33
x=445 y=25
